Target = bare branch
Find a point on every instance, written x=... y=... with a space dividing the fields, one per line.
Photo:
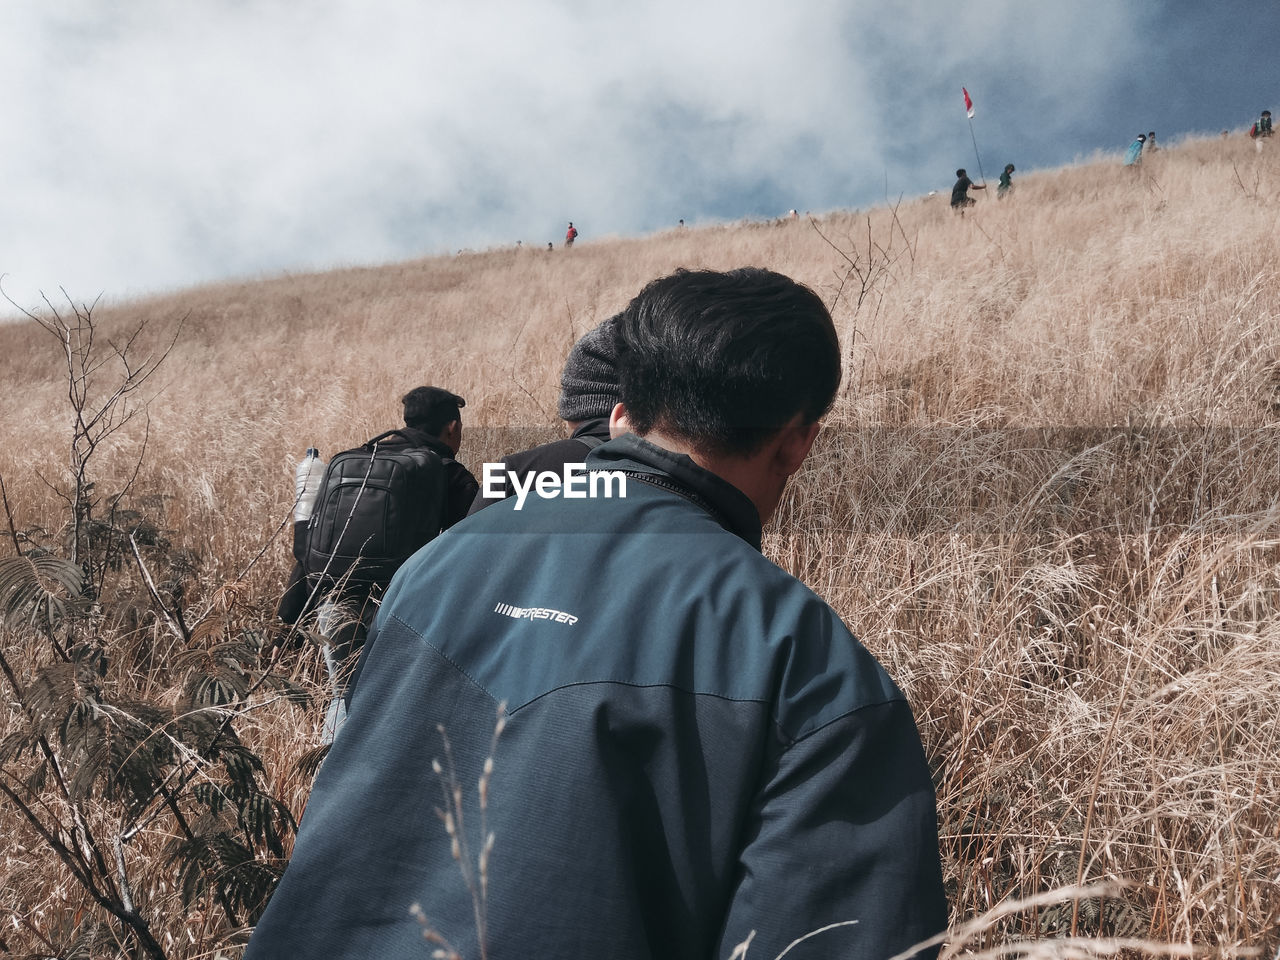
x=174 y=621
x=126 y=894
x=8 y=512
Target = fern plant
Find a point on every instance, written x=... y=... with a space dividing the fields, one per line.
x=92 y=762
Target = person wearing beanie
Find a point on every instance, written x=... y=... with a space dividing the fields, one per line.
x=588 y=394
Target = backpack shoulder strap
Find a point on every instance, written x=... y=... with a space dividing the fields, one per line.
x=590 y=442
x=382 y=436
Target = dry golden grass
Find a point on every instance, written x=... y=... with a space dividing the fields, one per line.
x=1046 y=499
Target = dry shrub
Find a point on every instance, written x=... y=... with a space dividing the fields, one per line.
x=1045 y=499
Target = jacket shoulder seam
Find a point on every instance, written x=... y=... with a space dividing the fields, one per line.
x=610 y=681
x=793 y=739
x=448 y=659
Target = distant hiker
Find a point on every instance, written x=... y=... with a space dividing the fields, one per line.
x=1261 y=130
x=1006 y=182
x=960 y=192
x=1150 y=145
x=1133 y=156
x=570 y=235
x=378 y=503
x=588 y=394
x=550 y=246
x=682 y=223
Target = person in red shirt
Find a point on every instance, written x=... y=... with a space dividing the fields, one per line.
x=570 y=235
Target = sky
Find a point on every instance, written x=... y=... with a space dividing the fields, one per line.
x=153 y=145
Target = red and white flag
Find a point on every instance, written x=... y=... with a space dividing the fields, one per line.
x=968 y=103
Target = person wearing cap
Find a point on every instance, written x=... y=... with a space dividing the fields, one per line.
x=588 y=393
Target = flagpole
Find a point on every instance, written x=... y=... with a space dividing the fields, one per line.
x=968 y=110
x=975 y=152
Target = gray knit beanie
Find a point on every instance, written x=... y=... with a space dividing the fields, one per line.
x=589 y=384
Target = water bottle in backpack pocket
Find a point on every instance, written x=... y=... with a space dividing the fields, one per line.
x=307 y=480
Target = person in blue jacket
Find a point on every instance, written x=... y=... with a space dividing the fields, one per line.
x=695 y=752
x=1133 y=156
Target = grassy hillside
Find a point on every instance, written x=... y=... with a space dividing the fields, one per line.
x=1046 y=499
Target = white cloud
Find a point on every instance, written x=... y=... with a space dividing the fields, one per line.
x=155 y=144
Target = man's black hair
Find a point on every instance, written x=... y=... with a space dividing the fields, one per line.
x=431 y=409
x=724 y=360
x=960 y=172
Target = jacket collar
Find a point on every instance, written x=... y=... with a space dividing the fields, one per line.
x=596 y=427
x=728 y=505
x=420 y=438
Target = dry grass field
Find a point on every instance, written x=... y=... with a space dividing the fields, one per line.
x=1046 y=499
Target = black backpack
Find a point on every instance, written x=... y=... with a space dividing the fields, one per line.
x=377 y=505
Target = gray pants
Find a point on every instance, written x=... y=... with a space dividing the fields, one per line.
x=344 y=630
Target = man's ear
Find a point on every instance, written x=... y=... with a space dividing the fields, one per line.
x=451 y=435
x=794 y=445
x=619 y=422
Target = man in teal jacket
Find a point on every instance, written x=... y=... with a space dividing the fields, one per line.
x=694 y=750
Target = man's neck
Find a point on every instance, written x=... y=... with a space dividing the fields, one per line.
x=740 y=472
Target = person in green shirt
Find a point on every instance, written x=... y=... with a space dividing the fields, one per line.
x=1006 y=181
